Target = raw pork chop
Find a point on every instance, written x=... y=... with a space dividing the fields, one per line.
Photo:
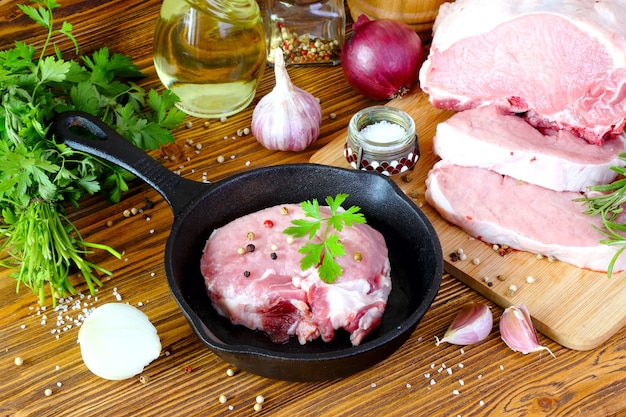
x=562 y=62
x=499 y=209
x=272 y=293
x=492 y=138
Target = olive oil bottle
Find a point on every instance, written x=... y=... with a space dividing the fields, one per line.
x=211 y=53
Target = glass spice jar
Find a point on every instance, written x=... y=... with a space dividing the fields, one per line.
x=382 y=139
x=309 y=32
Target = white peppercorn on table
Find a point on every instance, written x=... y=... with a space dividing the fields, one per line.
x=187 y=379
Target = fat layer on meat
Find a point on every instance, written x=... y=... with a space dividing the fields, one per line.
x=561 y=62
x=499 y=209
x=493 y=138
x=273 y=294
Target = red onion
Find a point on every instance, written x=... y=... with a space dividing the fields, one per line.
x=382 y=58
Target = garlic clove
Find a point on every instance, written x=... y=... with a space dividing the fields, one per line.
x=471 y=325
x=287 y=118
x=117 y=341
x=518 y=332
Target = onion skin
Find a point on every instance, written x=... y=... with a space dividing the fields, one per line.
x=382 y=58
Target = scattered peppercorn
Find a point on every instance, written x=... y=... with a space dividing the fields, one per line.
x=454 y=257
x=144 y=379
x=501 y=277
x=273 y=255
x=222 y=399
x=246 y=274
x=358 y=257
x=19 y=361
x=188 y=369
x=284 y=210
x=511 y=291
x=250 y=236
x=230 y=372
x=268 y=223
x=47 y=392
x=250 y=247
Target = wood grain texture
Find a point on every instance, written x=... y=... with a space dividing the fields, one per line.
x=495 y=380
x=579 y=309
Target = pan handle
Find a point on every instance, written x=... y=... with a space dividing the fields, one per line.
x=77 y=130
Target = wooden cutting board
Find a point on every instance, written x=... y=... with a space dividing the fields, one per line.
x=578 y=309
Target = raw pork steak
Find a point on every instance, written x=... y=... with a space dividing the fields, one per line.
x=492 y=138
x=263 y=287
x=562 y=62
x=487 y=205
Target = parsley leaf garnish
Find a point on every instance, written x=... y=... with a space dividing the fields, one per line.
x=322 y=254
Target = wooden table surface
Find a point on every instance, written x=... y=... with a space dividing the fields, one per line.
x=420 y=379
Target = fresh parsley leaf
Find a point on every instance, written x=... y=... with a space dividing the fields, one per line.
x=323 y=254
x=52 y=70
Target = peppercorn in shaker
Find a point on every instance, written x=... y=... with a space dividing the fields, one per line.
x=308 y=32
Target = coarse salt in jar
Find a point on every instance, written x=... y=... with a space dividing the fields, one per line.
x=382 y=139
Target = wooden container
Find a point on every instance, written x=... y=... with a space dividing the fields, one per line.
x=418 y=14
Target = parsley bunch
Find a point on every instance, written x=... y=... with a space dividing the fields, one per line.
x=40 y=177
x=322 y=255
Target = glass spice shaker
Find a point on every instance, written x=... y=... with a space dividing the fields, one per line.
x=382 y=139
x=309 y=32
x=210 y=53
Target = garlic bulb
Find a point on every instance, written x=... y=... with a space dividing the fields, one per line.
x=117 y=341
x=518 y=332
x=287 y=118
x=471 y=325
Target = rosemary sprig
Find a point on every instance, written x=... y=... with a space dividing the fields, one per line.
x=607 y=200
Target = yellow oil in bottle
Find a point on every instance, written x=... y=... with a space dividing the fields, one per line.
x=210 y=53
